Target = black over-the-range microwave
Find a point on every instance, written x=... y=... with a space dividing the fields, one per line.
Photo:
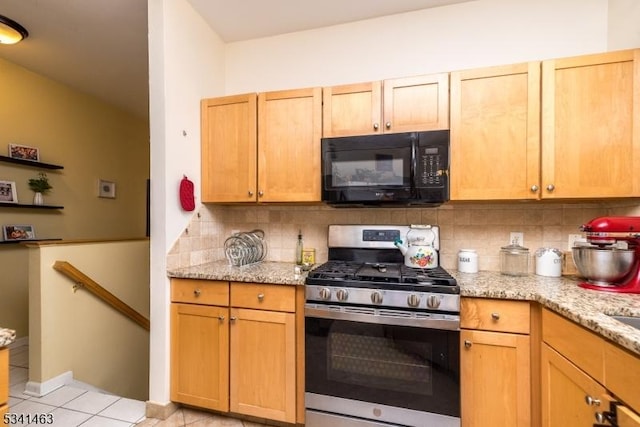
x=410 y=168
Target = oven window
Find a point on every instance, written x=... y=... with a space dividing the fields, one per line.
x=365 y=168
x=400 y=366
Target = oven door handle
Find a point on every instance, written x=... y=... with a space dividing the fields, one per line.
x=383 y=317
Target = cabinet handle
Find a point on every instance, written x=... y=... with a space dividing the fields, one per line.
x=250 y=193
x=260 y=297
x=551 y=187
x=233 y=318
x=388 y=125
x=221 y=319
x=197 y=292
x=468 y=343
x=260 y=193
x=534 y=188
x=495 y=316
x=376 y=126
x=591 y=401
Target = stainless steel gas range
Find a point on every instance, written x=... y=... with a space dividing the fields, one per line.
x=381 y=338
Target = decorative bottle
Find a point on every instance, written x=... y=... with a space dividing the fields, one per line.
x=299 y=246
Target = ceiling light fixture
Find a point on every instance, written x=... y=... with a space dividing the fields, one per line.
x=11 y=32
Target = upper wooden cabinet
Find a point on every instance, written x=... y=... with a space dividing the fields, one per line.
x=289 y=132
x=397 y=105
x=591 y=126
x=262 y=148
x=229 y=148
x=495 y=133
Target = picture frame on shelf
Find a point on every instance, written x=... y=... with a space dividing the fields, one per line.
x=106 y=189
x=24 y=152
x=8 y=193
x=18 y=232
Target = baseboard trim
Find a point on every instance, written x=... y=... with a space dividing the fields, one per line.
x=160 y=411
x=37 y=389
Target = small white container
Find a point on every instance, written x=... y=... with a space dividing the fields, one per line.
x=467 y=261
x=548 y=262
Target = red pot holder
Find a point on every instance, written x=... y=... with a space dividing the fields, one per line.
x=186 y=194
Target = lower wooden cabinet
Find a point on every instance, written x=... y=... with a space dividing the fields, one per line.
x=495 y=366
x=570 y=397
x=4 y=381
x=263 y=371
x=200 y=356
x=240 y=357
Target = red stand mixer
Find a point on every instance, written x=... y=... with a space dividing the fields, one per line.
x=604 y=232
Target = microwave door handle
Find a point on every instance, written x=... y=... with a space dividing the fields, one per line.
x=414 y=164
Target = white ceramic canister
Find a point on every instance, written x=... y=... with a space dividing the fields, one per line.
x=467 y=261
x=548 y=262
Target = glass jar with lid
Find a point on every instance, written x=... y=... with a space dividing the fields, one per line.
x=514 y=260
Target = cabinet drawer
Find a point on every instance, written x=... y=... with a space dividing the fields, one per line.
x=580 y=346
x=263 y=297
x=207 y=292
x=495 y=315
x=622 y=374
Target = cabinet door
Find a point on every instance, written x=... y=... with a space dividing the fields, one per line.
x=4 y=376
x=228 y=148
x=591 y=125
x=567 y=392
x=352 y=109
x=627 y=418
x=263 y=374
x=290 y=128
x=200 y=356
x=495 y=133
x=495 y=378
x=416 y=103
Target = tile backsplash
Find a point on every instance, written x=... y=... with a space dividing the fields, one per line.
x=479 y=226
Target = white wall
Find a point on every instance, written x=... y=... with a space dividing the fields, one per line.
x=185 y=64
x=466 y=35
x=186 y=60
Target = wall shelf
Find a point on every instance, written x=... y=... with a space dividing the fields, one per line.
x=25 y=206
x=29 y=163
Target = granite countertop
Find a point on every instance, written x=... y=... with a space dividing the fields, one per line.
x=7 y=336
x=589 y=308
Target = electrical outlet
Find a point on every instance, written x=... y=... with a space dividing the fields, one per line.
x=516 y=238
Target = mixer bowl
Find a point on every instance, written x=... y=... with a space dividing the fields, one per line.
x=603 y=266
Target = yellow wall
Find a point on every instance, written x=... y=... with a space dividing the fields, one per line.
x=93 y=141
x=75 y=331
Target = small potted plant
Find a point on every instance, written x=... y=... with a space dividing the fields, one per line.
x=39 y=186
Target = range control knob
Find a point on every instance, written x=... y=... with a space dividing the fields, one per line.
x=342 y=294
x=433 y=301
x=413 y=300
x=376 y=297
x=325 y=294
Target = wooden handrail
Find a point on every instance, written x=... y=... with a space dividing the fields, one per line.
x=85 y=281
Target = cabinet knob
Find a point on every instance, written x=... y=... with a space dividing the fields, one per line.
x=376 y=126
x=495 y=316
x=600 y=417
x=551 y=187
x=534 y=188
x=221 y=319
x=468 y=343
x=260 y=297
x=197 y=292
x=260 y=193
x=250 y=193
x=388 y=125
x=591 y=401
x=233 y=318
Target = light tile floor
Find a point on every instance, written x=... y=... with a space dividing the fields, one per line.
x=73 y=406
